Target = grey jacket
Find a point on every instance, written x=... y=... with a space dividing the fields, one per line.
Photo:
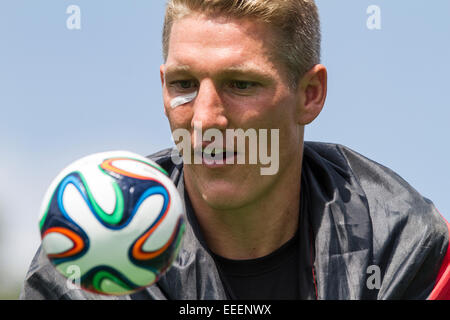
x=357 y=216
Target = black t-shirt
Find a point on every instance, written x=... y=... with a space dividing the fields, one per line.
x=272 y=277
x=285 y=274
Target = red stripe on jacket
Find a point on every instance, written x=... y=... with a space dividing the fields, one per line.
x=441 y=290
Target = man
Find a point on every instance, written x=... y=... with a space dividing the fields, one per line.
x=327 y=224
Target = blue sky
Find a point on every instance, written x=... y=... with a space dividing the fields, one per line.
x=68 y=93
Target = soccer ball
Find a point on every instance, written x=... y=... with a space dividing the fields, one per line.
x=114 y=219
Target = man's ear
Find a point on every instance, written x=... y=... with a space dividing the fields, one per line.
x=161 y=74
x=312 y=89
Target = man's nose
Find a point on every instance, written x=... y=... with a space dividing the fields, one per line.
x=209 y=111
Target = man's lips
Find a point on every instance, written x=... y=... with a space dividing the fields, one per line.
x=216 y=157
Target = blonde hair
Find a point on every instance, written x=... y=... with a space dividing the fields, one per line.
x=296 y=22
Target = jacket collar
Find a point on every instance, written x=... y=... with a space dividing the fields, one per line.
x=335 y=237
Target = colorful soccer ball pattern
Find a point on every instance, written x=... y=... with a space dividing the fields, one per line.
x=116 y=219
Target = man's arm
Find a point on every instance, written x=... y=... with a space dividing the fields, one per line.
x=411 y=237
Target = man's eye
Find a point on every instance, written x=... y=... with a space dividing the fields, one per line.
x=242 y=85
x=184 y=84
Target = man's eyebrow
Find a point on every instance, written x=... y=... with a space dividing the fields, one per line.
x=177 y=69
x=237 y=70
x=244 y=71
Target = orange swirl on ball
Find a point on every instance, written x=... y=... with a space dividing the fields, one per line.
x=77 y=241
x=108 y=165
x=137 y=251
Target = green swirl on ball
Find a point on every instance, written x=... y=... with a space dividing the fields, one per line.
x=117 y=215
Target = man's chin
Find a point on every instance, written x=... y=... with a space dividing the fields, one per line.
x=226 y=202
x=226 y=189
x=226 y=196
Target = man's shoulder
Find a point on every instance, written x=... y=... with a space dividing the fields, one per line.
x=409 y=238
x=368 y=173
x=163 y=154
x=382 y=186
x=165 y=158
x=342 y=156
x=393 y=204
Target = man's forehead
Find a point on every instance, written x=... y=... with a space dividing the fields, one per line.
x=210 y=46
x=247 y=25
x=239 y=55
x=203 y=32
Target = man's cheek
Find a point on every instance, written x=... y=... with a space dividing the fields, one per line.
x=179 y=118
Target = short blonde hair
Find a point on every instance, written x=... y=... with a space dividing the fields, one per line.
x=296 y=21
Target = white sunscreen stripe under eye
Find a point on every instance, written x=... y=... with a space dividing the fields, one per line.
x=180 y=100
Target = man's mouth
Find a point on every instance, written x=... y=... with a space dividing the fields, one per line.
x=217 y=157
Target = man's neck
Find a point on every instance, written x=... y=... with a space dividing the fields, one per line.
x=258 y=228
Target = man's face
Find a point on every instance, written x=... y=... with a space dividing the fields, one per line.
x=239 y=85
